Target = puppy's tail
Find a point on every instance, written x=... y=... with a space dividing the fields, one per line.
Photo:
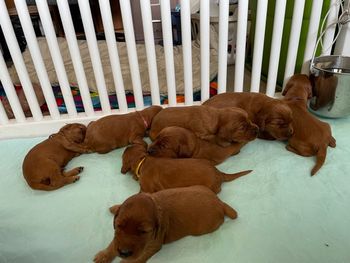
x=231 y=177
x=229 y=211
x=320 y=159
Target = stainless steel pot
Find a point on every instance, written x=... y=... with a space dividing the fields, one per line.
x=330 y=77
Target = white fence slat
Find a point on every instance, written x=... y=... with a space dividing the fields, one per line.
x=10 y=92
x=187 y=50
x=3 y=117
x=240 y=45
x=277 y=34
x=146 y=14
x=17 y=58
x=108 y=26
x=258 y=44
x=90 y=35
x=74 y=51
x=50 y=34
x=329 y=35
x=205 y=48
x=312 y=34
x=223 y=41
x=28 y=30
x=168 y=50
x=132 y=53
x=342 y=43
x=294 y=39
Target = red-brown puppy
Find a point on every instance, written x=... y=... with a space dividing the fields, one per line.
x=155 y=174
x=311 y=136
x=222 y=126
x=114 y=131
x=144 y=222
x=178 y=142
x=43 y=165
x=273 y=116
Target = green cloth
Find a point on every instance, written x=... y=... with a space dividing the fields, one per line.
x=284 y=214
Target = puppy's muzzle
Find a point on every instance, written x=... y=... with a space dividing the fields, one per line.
x=151 y=151
x=254 y=131
x=124 y=253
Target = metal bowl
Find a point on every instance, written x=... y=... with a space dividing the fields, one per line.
x=330 y=77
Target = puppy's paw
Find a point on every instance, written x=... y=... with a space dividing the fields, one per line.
x=75 y=178
x=102 y=257
x=80 y=169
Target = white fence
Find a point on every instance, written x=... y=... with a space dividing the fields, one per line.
x=43 y=125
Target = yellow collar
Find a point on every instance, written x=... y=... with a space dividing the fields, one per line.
x=137 y=170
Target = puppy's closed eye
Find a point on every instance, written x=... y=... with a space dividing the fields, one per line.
x=144 y=229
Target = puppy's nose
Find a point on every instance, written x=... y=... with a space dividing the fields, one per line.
x=255 y=129
x=124 y=253
x=151 y=151
x=290 y=131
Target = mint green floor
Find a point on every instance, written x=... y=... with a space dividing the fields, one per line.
x=284 y=214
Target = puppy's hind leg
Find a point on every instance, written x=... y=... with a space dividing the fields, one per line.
x=53 y=183
x=73 y=172
x=229 y=211
x=61 y=180
x=301 y=148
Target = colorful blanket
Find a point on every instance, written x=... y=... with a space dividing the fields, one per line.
x=147 y=99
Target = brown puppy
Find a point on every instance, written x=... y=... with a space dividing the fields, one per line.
x=155 y=174
x=144 y=222
x=222 y=126
x=273 y=116
x=311 y=136
x=43 y=165
x=178 y=142
x=114 y=131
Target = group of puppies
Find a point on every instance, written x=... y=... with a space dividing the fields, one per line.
x=176 y=172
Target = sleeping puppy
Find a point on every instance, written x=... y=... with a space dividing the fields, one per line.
x=273 y=116
x=221 y=126
x=144 y=222
x=114 y=131
x=178 y=142
x=311 y=136
x=155 y=174
x=43 y=165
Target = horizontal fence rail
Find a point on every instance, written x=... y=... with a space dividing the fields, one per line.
x=95 y=75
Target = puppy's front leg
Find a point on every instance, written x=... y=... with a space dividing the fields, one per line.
x=221 y=142
x=148 y=253
x=107 y=255
x=207 y=137
x=75 y=147
x=235 y=147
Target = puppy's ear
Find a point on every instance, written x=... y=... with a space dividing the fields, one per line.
x=286 y=88
x=309 y=94
x=309 y=90
x=126 y=161
x=126 y=167
x=184 y=149
x=261 y=120
x=158 y=223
